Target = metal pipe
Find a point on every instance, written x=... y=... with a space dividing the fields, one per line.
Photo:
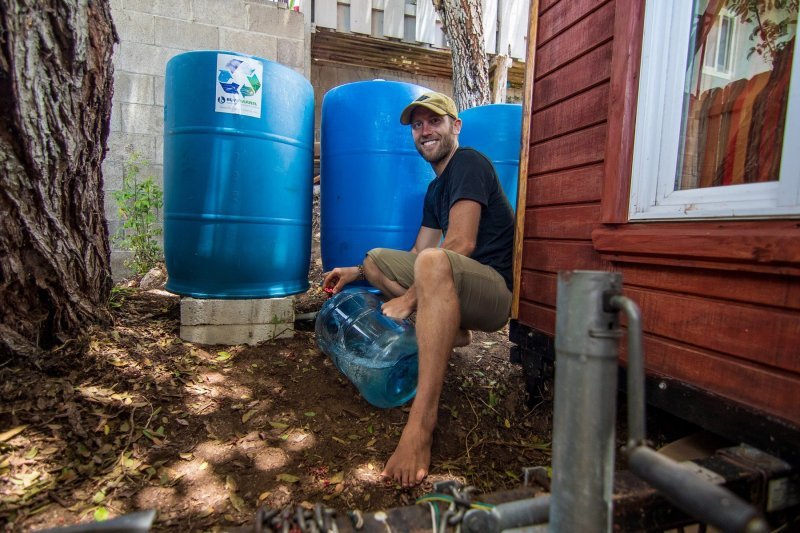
x=518 y=513
x=587 y=337
x=695 y=495
x=635 y=370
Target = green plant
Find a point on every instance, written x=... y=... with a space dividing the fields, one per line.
x=138 y=204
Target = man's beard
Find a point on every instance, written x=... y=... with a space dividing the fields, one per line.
x=446 y=144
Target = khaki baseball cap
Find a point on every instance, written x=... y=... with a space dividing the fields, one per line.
x=439 y=103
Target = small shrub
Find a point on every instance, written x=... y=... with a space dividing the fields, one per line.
x=138 y=204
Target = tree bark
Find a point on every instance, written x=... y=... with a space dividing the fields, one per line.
x=463 y=25
x=501 y=63
x=56 y=82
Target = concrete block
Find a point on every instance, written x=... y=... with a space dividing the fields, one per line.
x=140 y=118
x=133 y=88
x=248 y=42
x=233 y=15
x=179 y=9
x=112 y=175
x=142 y=58
x=198 y=311
x=134 y=26
x=159 y=157
x=185 y=35
x=291 y=53
x=118 y=259
x=116 y=118
x=271 y=20
x=230 y=334
x=110 y=206
x=122 y=145
x=158 y=89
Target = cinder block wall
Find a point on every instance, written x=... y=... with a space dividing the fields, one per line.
x=151 y=32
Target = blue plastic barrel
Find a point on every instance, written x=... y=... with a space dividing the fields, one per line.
x=373 y=180
x=495 y=131
x=238 y=162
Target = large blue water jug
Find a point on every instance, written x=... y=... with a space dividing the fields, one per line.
x=495 y=130
x=377 y=353
x=373 y=180
x=238 y=162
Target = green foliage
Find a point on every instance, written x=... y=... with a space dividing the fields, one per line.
x=138 y=204
x=772 y=20
x=118 y=295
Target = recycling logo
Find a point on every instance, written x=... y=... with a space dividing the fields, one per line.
x=239 y=80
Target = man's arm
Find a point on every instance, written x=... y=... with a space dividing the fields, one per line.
x=462 y=233
x=426 y=238
x=461 y=238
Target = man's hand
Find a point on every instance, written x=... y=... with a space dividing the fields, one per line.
x=400 y=307
x=336 y=279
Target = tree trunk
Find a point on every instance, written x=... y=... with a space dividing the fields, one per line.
x=463 y=25
x=56 y=84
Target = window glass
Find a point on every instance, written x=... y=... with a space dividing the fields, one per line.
x=736 y=93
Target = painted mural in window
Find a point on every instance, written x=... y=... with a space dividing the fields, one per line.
x=736 y=92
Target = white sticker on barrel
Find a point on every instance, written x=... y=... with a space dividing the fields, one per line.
x=238 y=81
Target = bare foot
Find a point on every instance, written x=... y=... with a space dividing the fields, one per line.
x=410 y=461
x=463 y=338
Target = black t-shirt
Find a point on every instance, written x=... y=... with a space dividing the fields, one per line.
x=469 y=175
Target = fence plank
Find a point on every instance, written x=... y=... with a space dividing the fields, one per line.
x=490 y=26
x=361 y=16
x=426 y=23
x=513 y=25
x=325 y=13
x=393 y=18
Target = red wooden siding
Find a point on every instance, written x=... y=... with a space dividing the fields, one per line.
x=720 y=300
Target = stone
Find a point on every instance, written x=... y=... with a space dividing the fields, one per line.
x=156 y=278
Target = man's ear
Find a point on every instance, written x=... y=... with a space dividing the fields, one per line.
x=457 y=126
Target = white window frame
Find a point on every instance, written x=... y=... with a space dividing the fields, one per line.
x=665 y=49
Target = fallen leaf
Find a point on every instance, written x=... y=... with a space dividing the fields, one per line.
x=278 y=425
x=230 y=483
x=340 y=441
x=11 y=433
x=288 y=478
x=338 y=477
x=30 y=454
x=310 y=413
x=181 y=421
x=203 y=465
x=506 y=423
x=264 y=495
x=186 y=456
x=248 y=415
x=224 y=356
x=100 y=514
x=237 y=502
x=99 y=496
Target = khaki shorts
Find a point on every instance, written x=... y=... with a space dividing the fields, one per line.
x=485 y=300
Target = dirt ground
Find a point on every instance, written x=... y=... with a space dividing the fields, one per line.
x=207 y=434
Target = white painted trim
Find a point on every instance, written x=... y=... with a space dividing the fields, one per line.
x=655 y=157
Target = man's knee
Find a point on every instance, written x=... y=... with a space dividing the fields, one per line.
x=432 y=262
x=371 y=270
